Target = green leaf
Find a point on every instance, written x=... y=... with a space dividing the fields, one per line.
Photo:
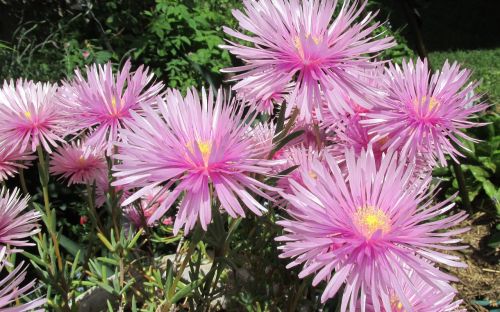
x=170 y=275
x=4 y=46
x=490 y=189
x=479 y=173
x=134 y=240
x=285 y=141
x=72 y=247
x=74 y=266
x=103 y=56
x=272 y=181
x=186 y=290
x=494 y=241
x=281 y=119
x=488 y=163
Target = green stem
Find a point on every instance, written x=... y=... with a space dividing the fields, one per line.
x=298 y=295
x=44 y=175
x=115 y=205
x=187 y=257
x=462 y=188
x=22 y=179
x=92 y=211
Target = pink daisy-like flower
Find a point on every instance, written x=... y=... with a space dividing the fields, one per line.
x=148 y=204
x=262 y=135
x=366 y=228
x=12 y=289
x=351 y=134
x=425 y=113
x=262 y=95
x=30 y=115
x=296 y=156
x=11 y=160
x=198 y=148
x=78 y=163
x=16 y=224
x=103 y=102
x=421 y=296
x=292 y=39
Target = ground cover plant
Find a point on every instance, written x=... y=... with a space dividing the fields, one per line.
x=333 y=169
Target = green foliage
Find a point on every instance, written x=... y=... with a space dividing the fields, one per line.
x=484 y=65
x=183 y=40
x=178 y=39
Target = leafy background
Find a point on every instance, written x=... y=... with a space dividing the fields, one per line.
x=46 y=40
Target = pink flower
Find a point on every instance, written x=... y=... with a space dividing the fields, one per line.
x=425 y=113
x=102 y=103
x=148 y=204
x=422 y=298
x=12 y=287
x=16 y=224
x=363 y=227
x=29 y=115
x=195 y=148
x=78 y=163
x=262 y=136
x=351 y=134
x=262 y=95
x=302 y=158
x=11 y=160
x=85 y=54
x=291 y=39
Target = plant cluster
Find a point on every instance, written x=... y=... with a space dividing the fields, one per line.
x=321 y=154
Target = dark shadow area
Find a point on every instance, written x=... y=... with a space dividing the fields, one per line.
x=449 y=24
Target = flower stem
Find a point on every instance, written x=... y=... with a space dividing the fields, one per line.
x=22 y=179
x=115 y=205
x=298 y=295
x=92 y=211
x=462 y=188
x=51 y=217
x=187 y=257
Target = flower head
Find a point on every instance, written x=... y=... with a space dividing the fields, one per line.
x=292 y=39
x=102 y=102
x=12 y=159
x=16 y=225
x=77 y=162
x=424 y=113
x=366 y=227
x=301 y=158
x=198 y=149
x=30 y=115
x=12 y=288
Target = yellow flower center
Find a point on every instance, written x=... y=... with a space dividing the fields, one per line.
x=81 y=160
x=205 y=148
x=369 y=220
x=297 y=43
x=27 y=114
x=313 y=174
x=113 y=104
x=396 y=305
x=433 y=102
x=317 y=40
